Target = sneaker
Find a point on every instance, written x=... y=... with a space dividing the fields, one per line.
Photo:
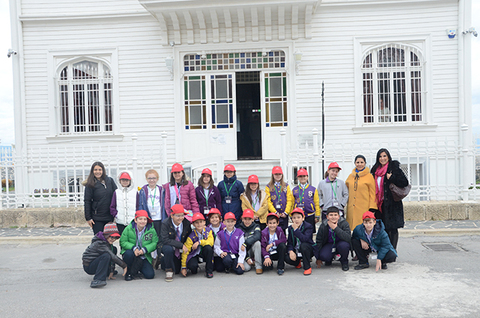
x=98 y=283
x=299 y=265
x=307 y=271
x=227 y=270
x=259 y=271
x=361 y=266
x=329 y=263
x=209 y=275
x=128 y=277
x=280 y=271
x=169 y=276
x=345 y=267
x=384 y=266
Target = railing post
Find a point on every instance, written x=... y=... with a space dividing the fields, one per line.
x=283 y=148
x=135 y=158
x=315 y=180
x=465 y=165
x=164 y=156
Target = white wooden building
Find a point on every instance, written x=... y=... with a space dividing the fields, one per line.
x=210 y=82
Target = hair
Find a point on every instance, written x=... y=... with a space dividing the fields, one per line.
x=333 y=209
x=184 y=179
x=360 y=156
x=377 y=161
x=272 y=217
x=91 y=180
x=200 y=181
x=271 y=184
x=152 y=171
x=248 y=192
x=326 y=173
x=219 y=215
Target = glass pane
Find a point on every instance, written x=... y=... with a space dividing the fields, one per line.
x=276 y=86
x=194 y=91
x=399 y=100
x=222 y=114
x=196 y=115
x=276 y=112
x=85 y=70
x=221 y=89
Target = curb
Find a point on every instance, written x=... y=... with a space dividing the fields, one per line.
x=439 y=232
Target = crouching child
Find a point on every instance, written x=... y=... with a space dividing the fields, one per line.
x=252 y=235
x=227 y=245
x=273 y=244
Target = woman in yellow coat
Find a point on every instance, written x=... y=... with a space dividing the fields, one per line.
x=361 y=192
x=256 y=200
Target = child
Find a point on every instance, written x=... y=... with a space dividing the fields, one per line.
x=280 y=197
x=124 y=201
x=273 y=244
x=199 y=244
x=252 y=235
x=97 y=258
x=300 y=244
x=175 y=231
x=333 y=238
x=306 y=197
x=138 y=240
x=216 y=225
x=207 y=193
x=180 y=191
x=332 y=191
x=256 y=200
x=371 y=238
x=227 y=245
x=230 y=190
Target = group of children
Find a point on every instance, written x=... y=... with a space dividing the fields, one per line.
x=230 y=228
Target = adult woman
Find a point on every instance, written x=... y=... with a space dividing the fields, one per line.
x=332 y=191
x=207 y=193
x=256 y=200
x=361 y=192
x=98 y=195
x=180 y=191
x=386 y=171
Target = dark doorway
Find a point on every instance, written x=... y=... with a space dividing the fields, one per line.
x=249 y=127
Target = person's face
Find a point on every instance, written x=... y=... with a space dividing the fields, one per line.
x=97 y=172
x=215 y=220
x=383 y=159
x=141 y=222
x=111 y=239
x=178 y=176
x=206 y=179
x=178 y=218
x=303 y=179
x=230 y=224
x=332 y=173
x=247 y=221
x=229 y=174
x=360 y=164
x=199 y=225
x=297 y=218
x=124 y=182
x=253 y=186
x=369 y=224
x=333 y=217
x=272 y=225
x=277 y=177
x=152 y=180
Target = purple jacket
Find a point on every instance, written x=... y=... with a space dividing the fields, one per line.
x=188 y=199
x=233 y=243
x=266 y=238
x=214 y=198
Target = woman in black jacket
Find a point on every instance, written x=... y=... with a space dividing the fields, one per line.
x=386 y=171
x=99 y=190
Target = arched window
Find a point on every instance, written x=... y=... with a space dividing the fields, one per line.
x=85 y=98
x=392 y=85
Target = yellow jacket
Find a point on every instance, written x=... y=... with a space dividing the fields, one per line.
x=263 y=211
x=192 y=239
x=361 y=197
x=290 y=199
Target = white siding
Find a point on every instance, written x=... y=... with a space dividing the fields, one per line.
x=70 y=7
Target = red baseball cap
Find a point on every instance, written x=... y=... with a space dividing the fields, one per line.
x=197 y=216
x=143 y=213
x=125 y=176
x=229 y=168
x=276 y=170
x=368 y=215
x=298 y=210
x=177 y=167
x=273 y=214
x=247 y=213
x=302 y=172
x=214 y=211
x=207 y=171
x=229 y=215
x=334 y=165
x=178 y=208
x=253 y=179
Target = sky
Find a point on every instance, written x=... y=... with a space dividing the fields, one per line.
x=7 y=135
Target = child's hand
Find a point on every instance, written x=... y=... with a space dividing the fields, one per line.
x=283 y=215
x=364 y=244
x=332 y=225
x=184 y=272
x=379 y=265
x=136 y=252
x=185 y=249
x=111 y=276
x=250 y=261
x=293 y=256
x=267 y=261
x=124 y=271
x=295 y=226
x=243 y=248
x=269 y=246
x=223 y=254
x=241 y=266
x=319 y=263
x=317 y=219
x=195 y=246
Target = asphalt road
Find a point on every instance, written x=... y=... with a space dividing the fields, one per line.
x=47 y=280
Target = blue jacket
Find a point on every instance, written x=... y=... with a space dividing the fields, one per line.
x=236 y=190
x=380 y=241
x=143 y=204
x=304 y=235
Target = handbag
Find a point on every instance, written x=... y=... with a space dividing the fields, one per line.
x=399 y=193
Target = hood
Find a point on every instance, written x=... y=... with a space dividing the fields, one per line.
x=132 y=183
x=379 y=226
x=99 y=237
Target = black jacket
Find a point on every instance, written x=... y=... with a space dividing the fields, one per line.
x=98 y=247
x=251 y=233
x=168 y=234
x=342 y=232
x=97 y=200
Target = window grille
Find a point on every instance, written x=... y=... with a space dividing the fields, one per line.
x=276 y=99
x=195 y=102
x=234 y=61
x=222 y=101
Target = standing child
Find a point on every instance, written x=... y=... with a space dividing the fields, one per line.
x=216 y=225
x=371 y=238
x=199 y=247
x=252 y=235
x=273 y=244
x=306 y=197
x=332 y=191
x=227 y=245
x=124 y=201
x=180 y=191
x=207 y=193
x=230 y=190
x=333 y=238
x=300 y=245
x=280 y=197
x=256 y=200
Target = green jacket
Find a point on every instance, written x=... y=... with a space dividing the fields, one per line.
x=128 y=240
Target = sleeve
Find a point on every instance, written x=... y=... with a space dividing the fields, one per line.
x=264 y=243
x=398 y=177
x=188 y=245
x=217 y=246
x=151 y=245
x=304 y=236
x=344 y=195
x=356 y=233
x=113 y=205
x=125 y=243
x=343 y=232
x=193 y=198
x=137 y=202
x=316 y=201
x=218 y=200
x=209 y=240
x=166 y=240
x=319 y=236
x=290 y=201
x=241 y=254
x=320 y=195
x=290 y=239
x=271 y=208
x=257 y=235
x=167 y=199
x=371 y=192
x=87 y=205
x=103 y=248
x=281 y=238
x=383 y=247
x=263 y=211
x=241 y=188
x=245 y=203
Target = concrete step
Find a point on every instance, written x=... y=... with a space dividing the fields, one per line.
x=261 y=168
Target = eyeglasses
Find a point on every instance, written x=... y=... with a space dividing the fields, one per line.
x=151 y=178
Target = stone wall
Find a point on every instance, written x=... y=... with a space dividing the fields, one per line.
x=54 y=217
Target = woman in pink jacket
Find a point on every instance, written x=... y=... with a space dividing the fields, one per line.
x=180 y=191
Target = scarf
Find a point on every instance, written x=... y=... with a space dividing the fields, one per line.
x=380 y=172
